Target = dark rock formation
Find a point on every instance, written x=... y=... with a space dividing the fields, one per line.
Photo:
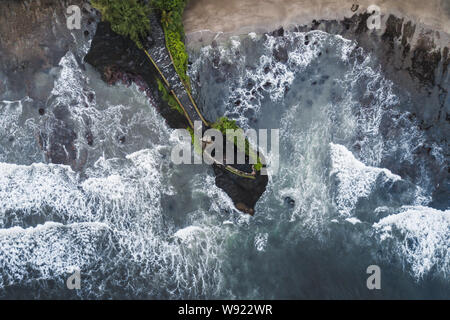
x=280 y=54
x=118 y=59
x=244 y=192
x=400 y=47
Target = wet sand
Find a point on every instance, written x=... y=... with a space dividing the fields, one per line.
x=204 y=19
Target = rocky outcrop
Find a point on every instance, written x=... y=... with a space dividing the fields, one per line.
x=118 y=59
x=34 y=37
x=244 y=192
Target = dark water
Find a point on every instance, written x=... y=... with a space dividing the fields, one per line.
x=351 y=189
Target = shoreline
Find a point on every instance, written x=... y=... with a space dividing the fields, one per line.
x=410 y=53
x=208 y=20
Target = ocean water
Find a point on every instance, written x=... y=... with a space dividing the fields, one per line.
x=351 y=190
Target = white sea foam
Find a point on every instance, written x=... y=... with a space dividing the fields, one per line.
x=17 y=133
x=122 y=192
x=356 y=180
x=49 y=251
x=261 y=241
x=28 y=190
x=357 y=107
x=268 y=76
x=188 y=233
x=420 y=237
x=111 y=186
x=68 y=87
x=252 y=35
x=124 y=195
x=353 y=220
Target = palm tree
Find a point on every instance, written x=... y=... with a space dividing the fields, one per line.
x=166 y=18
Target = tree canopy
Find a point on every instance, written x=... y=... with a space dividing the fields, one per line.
x=128 y=18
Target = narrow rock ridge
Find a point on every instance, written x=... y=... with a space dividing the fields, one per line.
x=113 y=54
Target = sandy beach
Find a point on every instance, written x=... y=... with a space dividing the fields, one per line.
x=206 y=18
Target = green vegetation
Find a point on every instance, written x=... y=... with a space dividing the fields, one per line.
x=180 y=58
x=223 y=124
x=166 y=18
x=258 y=166
x=128 y=18
x=195 y=141
x=172 y=22
x=172 y=13
x=167 y=97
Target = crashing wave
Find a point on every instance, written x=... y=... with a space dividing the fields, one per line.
x=420 y=238
x=50 y=251
x=354 y=179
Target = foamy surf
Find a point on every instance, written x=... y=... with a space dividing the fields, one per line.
x=139 y=227
x=419 y=236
